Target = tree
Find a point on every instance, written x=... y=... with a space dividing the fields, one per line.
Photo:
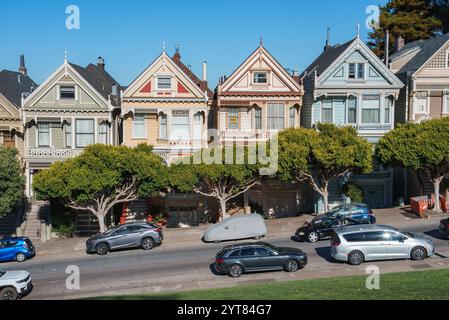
x=102 y=177
x=317 y=157
x=420 y=147
x=410 y=19
x=12 y=181
x=440 y=9
x=221 y=180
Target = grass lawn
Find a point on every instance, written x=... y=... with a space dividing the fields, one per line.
x=429 y=284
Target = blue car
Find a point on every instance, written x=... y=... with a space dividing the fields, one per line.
x=356 y=211
x=16 y=249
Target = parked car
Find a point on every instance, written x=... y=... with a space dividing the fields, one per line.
x=357 y=244
x=357 y=211
x=444 y=228
x=238 y=227
x=131 y=235
x=323 y=228
x=16 y=249
x=14 y=284
x=251 y=257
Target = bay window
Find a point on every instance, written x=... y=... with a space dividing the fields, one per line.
x=233 y=118
x=326 y=111
x=197 y=126
x=68 y=135
x=139 y=126
x=258 y=119
x=275 y=116
x=292 y=117
x=85 y=133
x=446 y=97
x=103 y=133
x=352 y=110
x=371 y=109
x=421 y=102
x=162 y=126
x=180 y=128
x=388 y=105
x=43 y=134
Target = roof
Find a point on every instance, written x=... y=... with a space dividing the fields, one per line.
x=13 y=84
x=326 y=58
x=100 y=80
x=409 y=47
x=364 y=227
x=428 y=49
x=177 y=59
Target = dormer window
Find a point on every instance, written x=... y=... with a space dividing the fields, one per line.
x=356 y=71
x=260 y=77
x=352 y=71
x=360 y=71
x=164 y=83
x=67 y=92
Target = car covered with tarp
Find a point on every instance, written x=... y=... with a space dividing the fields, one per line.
x=237 y=227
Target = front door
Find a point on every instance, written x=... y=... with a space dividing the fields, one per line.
x=249 y=258
x=268 y=259
x=374 y=246
x=395 y=246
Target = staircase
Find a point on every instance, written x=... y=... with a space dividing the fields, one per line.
x=426 y=184
x=38 y=213
x=8 y=225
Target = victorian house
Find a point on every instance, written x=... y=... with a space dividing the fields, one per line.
x=348 y=85
x=259 y=99
x=74 y=108
x=423 y=66
x=14 y=87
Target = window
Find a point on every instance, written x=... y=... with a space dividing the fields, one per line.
x=351 y=73
x=248 y=252
x=326 y=111
x=233 y=118
x=392 y=236
x=139 y=126
x=164 y=83
x=361 y=71
x=275 y=116
x=180 y=128
x=43 y=134
x=352 y=110
x=260 y=77
x=103 y=133
x=163 y=127
x=373 y=236
x=197 y=126
x=447 y=59
x=371 y=109
x=234 y=254
x=447 y=103
x=84 y=133
x=292 y=117
x=67 y=92
x=9 y=140
x=421 y=102
x=258 y=119
x=68 y=135
x=388 y=104
x=264 y=252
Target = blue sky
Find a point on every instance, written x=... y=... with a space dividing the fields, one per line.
x=129 y=34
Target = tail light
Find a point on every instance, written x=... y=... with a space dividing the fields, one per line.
x=25 y=245
x=219 y=261
x=336 y=241
x=159 y=230
x=371 y=213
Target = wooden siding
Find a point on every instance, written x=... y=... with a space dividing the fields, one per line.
x=436 y=104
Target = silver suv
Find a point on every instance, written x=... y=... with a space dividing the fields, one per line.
x=356 y=244
x=130 y=235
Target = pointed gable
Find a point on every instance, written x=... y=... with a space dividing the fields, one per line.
x=164 y=79
x=261 y=73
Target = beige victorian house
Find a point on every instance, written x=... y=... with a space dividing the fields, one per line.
x=14 y=87
x=167 y=106
x=74 y=108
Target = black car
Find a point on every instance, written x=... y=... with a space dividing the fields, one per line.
x=322 y=227
x=444 y=228
x=245 y=257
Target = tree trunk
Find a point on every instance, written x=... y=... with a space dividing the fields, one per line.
x=436 y=188
x=223 y=210
x=101 y=217
x=325 y=195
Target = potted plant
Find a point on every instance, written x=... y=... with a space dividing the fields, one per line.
x=160 y=220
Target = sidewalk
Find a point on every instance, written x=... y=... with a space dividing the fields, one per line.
x=175 y=238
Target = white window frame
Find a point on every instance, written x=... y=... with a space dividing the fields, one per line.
x=100 y=126
x=349 y=71
x=290 y=118
x=160 y=131
x=284 y=120
x=37 y=135
x=67 y=86
x=446 y=101
x=332 y=110
x=172 y=137
x=447 y=59
x=68 y=136
x=236 y=113
x=76 y=133
x=260 y=83
x=164 y=76
x=356 y=99
x=257 y=110
x=379 y=109
x=135 y=137
x=415 y=101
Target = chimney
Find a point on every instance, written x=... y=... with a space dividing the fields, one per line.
x=205 y=71
x=296 y=75
x=100 y=63
x=328 y=40
x=22 y=69
x=177 y=55
x=399 y=43
x=387 y=48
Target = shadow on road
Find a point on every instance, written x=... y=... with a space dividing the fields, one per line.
x=325 y=253
x=435 y=234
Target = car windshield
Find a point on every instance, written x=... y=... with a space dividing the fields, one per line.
x=272 y=247
x=408 y=234
x=333 y=211
x=109 y=231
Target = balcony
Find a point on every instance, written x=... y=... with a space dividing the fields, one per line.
x=51 y=154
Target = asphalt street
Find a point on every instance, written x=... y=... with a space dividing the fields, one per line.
x=185 y=268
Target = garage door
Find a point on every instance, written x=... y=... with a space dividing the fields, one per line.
x=374 y=196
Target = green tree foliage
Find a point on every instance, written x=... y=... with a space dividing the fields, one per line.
x=440 y=9
x=221 y=179
x=12 y=181
x=420 y=147
x=354 y=192
x=410 y=19
x=102 y=177
x=317 y=157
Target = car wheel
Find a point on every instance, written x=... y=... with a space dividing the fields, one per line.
x=356 y=258
x=20 y=257
x=102 y=249
x=235 y=271
x=147 y=244
x=418 y=253
x=313 y=237
x=291 y=265
x=257 y=237
x=8 y=293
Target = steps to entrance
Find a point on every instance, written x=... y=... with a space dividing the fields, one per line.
x=426 y=184
x=33 y=228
